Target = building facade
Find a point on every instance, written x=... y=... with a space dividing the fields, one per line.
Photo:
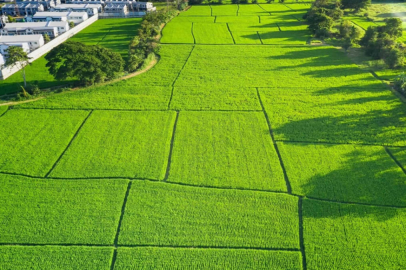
x=52 y=29
x=27 y=42
x=90 y=9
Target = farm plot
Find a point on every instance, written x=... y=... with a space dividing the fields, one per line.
x=148 y=91
x=206 y=33
x=343 y=236
x=247 y=38
x=365 y=174
x=171 y=215
x=224 y=149
x=51 y=258
x=253 y=27
x=33 y=145
x=249 y=10
x=119 y=144
x=195 y=258
x=292 y=26
x=299 y=6
x=400 y=155
x=44 y=211
x=3 y=110
x=360 y=116
x=275 y=8
x=273 y=66
x=197 y=19
x=178 y=33
x=185 y=98
x=197 y=11
x=224 y=10
x=238 y=19
x=285 y=37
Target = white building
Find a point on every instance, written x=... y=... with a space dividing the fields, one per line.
x=2 y=61
x=116 y=8
x=52 y=29
x=76 y=17
x=90 y=9
x=27 y=42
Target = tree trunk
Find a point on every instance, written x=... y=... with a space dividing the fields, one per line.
x=25 y=82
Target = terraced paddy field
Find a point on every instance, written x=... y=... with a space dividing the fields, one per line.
x=223 y=156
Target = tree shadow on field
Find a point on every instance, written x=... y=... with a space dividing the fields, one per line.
x=366 y=177
x=370 y=177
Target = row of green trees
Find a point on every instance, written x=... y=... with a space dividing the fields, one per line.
x=147 y=41
x=380 y=42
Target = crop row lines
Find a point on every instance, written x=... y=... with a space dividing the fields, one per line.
x=150 y=246
x=288 y=186
x=168 y=168
x=113 y=260
x=219 y=188
x=69 y=144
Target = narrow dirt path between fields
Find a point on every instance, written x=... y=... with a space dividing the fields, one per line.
x=147 y=68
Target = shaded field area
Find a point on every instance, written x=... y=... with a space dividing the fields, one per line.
x=222 y=156
x=114 y=34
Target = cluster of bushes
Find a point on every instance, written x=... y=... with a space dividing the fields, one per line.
x=147 y=43
x=400 y=84
x=380 y=42
x=90 y=64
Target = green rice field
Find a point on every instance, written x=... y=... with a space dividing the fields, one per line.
x=244 y=147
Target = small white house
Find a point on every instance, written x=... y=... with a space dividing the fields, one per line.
x=27 y=42
x=116 y=8
x=76 y=17
x=90 y=9
x=52 y=29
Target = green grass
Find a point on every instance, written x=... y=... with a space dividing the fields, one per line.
x=186 y=98
x=171 y=215
x=197 y=11
x=224 y=10
x=245 y=10
x=194 y=258
x=358 y=116
x=247 y=38
x=186 y=19
x=225 y=149
x=365 y=174
x=253 y=27
x=148 y=91
x=285 y=37
x=177 y=33
x=44 y=211
x=36 y=74
x=275 y=8
x=212 y=33
x=120 y=144
x=50 y=258
x=239 y=19
x=113 y=34
x=3 y=110
x=400 y=155
x=34 y=144
x=340 y=236
x=273 y=66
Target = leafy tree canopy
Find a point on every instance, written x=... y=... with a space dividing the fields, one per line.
x=89 y=64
